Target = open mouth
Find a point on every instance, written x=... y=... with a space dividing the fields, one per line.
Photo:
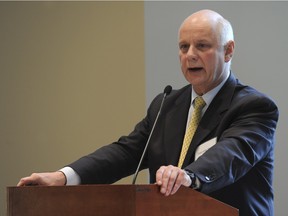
x=194 y=69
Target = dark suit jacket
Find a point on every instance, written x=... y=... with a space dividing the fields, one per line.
x=237 y=170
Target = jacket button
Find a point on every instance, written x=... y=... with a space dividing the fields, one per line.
x=210 y=177
x=207 y=178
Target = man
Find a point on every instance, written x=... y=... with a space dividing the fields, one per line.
x=230 y=156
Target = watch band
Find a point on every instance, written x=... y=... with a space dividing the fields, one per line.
x=193 y=179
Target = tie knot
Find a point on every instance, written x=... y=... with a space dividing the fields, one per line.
x=199 y=103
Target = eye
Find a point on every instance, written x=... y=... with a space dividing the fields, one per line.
x=203 y=46
x=184 y=47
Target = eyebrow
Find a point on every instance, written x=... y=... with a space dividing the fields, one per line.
x=196 y=41
x=203 y=41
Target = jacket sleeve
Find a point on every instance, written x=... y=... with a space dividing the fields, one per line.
x=119 y=159
x=245 y=138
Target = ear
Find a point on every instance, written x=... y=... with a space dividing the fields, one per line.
x=229 y=50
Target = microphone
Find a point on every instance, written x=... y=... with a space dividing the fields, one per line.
x=167 y=91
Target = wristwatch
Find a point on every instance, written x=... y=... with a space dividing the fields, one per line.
x=193 y=179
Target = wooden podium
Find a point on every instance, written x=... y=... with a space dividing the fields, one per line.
x=111 y=200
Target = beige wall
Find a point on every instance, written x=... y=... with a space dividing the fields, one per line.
x=71 y=79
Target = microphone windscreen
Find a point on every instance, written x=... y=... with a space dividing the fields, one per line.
x=167 y=90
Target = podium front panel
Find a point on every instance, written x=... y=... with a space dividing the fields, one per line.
x=92 y=200
x=111 y=200
x=186 y=201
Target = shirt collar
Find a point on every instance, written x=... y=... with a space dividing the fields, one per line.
x=208 y=97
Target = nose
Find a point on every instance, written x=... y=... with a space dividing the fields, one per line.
x=192 y=54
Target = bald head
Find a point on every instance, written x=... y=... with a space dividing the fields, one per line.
x=222 y=28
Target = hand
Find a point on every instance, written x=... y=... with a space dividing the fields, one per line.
x=170 y=178
x=46 y=179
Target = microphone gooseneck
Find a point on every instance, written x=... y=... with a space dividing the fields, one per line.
x=167 y=91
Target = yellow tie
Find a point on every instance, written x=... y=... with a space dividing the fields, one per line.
x=199 y=103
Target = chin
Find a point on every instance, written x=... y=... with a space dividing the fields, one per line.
x=195 y=80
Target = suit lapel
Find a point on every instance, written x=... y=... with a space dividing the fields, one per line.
x=211 y=118
x=175 y=125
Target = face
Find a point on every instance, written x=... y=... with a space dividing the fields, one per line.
x=203 y=58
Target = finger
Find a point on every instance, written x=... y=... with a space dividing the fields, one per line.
x=178 y=182
x=26 y=181
x=171 y=181
x=165 y=179
x=164 y=184
x=21 y=183
x=159 y=175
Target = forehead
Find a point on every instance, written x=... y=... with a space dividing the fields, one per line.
x=198 y=30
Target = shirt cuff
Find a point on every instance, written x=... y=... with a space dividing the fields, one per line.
x=198 y=183
x=72 y=178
